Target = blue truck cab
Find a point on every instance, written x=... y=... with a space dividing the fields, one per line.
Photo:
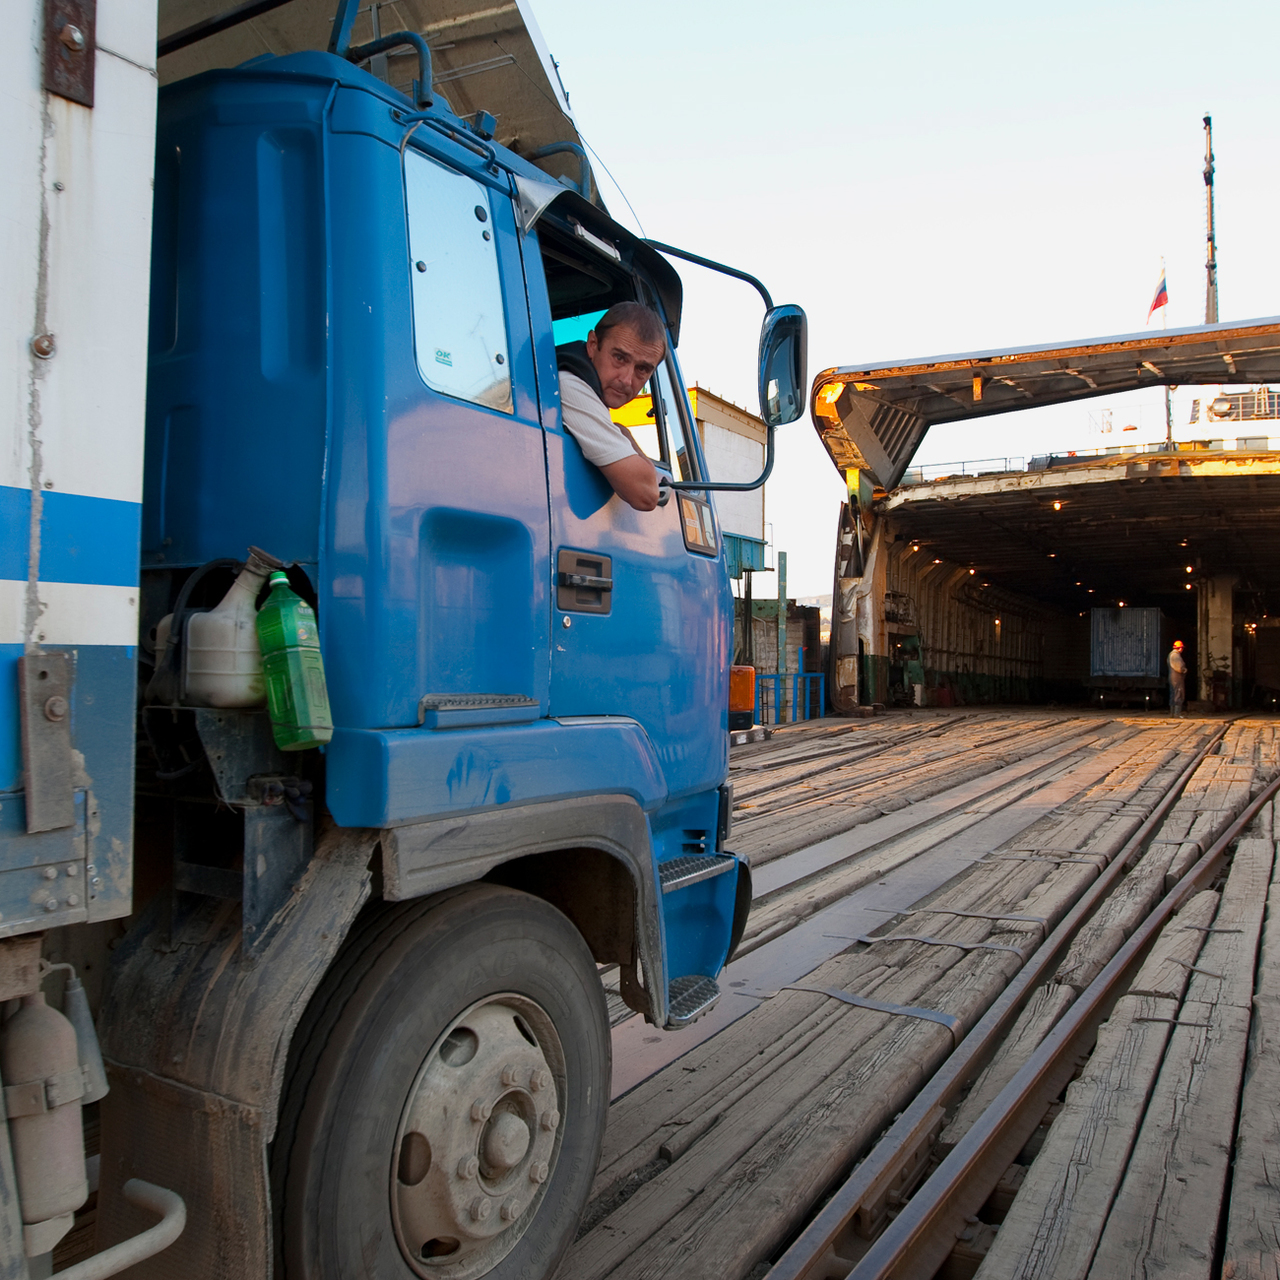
x=357 y=1020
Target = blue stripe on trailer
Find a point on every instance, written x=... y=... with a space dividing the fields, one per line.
x=82 y=539
x=10 y=746
x=15 y=531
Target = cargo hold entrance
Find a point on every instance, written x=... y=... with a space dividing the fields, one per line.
x=999 y=574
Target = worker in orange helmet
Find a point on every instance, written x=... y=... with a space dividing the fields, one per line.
x=1177 y=681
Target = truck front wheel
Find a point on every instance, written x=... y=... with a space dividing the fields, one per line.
x=446 y=1095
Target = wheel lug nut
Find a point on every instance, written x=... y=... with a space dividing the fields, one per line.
x=481 y=1110
x=468 y=1167
x=510 y=1210
x=539 y=1078
x=550 y=1119
x=480 y=1209
x=538 y=1171
x=509 y=1075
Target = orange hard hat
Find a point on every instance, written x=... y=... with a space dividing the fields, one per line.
x=1177 y=644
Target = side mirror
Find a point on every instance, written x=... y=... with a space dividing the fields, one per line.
x=784 y=354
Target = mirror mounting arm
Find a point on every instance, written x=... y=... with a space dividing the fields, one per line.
x=724 y=485
x=714 y=266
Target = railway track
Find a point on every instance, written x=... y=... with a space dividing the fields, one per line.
x=840 y=1112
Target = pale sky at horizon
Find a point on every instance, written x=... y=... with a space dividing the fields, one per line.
x=927 y=179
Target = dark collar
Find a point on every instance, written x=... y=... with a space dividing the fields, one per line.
x=572 y=358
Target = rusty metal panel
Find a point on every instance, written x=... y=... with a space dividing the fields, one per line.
x=44 y=687
x=69 y=44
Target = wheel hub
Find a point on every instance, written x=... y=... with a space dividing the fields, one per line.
x=478 y=1139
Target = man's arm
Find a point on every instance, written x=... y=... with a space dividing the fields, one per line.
x=634 y=480
x=605 y=445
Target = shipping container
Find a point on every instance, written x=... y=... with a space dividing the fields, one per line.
x=1127 y=655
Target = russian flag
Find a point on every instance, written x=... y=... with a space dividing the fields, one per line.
x=1162 y=297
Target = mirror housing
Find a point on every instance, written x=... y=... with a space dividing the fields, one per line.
x=784 y=355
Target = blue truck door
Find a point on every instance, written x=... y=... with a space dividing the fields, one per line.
x=655 y=646
x=439 y=611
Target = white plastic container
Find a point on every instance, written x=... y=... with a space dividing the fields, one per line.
x=222 y=660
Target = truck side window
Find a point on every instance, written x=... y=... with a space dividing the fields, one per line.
x=680 y=460
x=459 y=325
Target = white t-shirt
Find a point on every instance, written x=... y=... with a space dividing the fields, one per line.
x=588 y=422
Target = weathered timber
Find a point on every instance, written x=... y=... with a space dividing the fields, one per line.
x=738 y=1137
x=1052 y=1229
x=706 y=1216
x=1166 y=1211
x=1042 y=1012
x=793 y=820
x=1252 y=1249
x=714 y=1101
x=795 y=902
x=1105 y=932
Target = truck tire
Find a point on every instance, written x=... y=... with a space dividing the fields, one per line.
x=446 y=1096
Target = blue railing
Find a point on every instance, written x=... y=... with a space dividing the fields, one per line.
x=801 y=694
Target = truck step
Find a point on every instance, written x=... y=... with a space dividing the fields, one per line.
x=689 y=998
x=463 y=710
x=679 y=873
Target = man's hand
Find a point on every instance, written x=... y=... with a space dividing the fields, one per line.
x=634 y=480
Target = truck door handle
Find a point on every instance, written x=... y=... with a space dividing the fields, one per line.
x=585 y=581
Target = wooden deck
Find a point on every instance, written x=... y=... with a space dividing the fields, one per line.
x=904 y=869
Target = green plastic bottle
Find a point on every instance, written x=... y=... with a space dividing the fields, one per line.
x=297 y=697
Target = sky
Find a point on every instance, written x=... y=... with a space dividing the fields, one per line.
x=926 y=179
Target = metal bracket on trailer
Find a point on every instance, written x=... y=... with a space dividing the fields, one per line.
x=48 y=774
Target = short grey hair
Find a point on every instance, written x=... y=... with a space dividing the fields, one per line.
x=643 y=321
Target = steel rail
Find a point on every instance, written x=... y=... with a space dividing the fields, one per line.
x=918 y=1241
x=913 y=1127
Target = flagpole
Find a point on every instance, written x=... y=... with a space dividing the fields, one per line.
x=1211 y=264
x=1168 y=402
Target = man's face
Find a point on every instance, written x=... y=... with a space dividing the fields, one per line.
x=622 y=362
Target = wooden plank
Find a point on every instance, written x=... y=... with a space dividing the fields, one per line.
x=1106 y=931
x=1252 y=1250
x=1100 y=938
x=1046 y=1006
x=977 y=891
x=1053 y=1226
x=847 y=801
x=1171 y=1197
x=736 y=1137
x=781 y=910
x=708 y=1216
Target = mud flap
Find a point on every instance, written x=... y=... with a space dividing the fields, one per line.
x=195 y=1046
